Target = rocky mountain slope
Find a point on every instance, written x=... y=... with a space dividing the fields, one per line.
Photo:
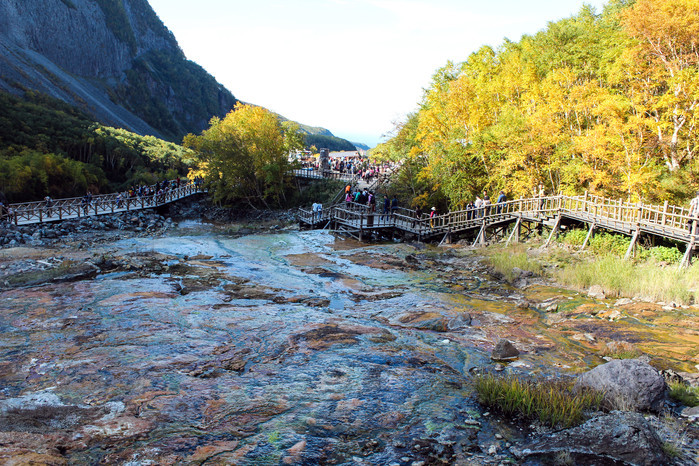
x=113 y=58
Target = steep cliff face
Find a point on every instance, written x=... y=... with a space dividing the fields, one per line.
x=113 y=58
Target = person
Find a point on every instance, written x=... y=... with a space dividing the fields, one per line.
x=693 y=212
x=314 y=212
x=502 y=198
x=541 y=193
x=486 y=204
x=348 y=199
x=433 y=214
x=418 y=215
x=469 y=210
x=394 y=204
x=4 y=212
x=48 y=203
x=85 y=202
x=386 y=208
x=479 y=207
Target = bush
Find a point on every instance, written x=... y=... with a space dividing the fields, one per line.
x=574 y=237
x=503 y=262
x=683 y=393
x=553 y=402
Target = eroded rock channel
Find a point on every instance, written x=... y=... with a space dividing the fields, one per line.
x=285 y=348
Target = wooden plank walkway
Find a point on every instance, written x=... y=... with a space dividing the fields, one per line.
x=631 y=219
x=30 y=213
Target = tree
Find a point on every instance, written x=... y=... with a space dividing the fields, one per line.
x=666 y=72
x=245 y=156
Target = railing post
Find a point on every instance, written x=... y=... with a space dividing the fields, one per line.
x=664 y=213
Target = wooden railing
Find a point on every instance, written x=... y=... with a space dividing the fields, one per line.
x=60 y=209
x=669 y=221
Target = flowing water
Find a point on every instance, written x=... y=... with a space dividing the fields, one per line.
x=285 y=348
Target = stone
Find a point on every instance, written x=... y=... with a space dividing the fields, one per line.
x=629 y=384
x=621 y=437
x=623 y=302
x=691 y=413
x=596 y=292
x=504 y=351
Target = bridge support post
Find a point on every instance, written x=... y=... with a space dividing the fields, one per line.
x=515 y=232
x=589 y=235
x=554 y=230
x=687 y=259
x=632 y=245
x=481 y=235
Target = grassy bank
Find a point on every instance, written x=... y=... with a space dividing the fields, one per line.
x=652 y=274
x=552 y=402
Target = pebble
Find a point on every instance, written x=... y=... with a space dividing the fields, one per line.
x=498 y=436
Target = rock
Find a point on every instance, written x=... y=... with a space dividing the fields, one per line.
x=622 y=437
x=623 y=302
x=596 y=292
x=691 y=413
x=460 y=321
x=504 y=351
x=628 y=384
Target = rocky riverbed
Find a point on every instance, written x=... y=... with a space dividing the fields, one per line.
x=187 y=342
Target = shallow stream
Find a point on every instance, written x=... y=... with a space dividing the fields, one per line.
x=284 y=348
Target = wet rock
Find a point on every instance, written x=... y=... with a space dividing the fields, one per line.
x=691 y=413
x=504 y=351
x=596 y=292
x=628 y=384
x=623 y=437
x=623 y=302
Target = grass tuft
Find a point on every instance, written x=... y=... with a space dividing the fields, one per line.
x=505 y=261
x=683 y=393
x=620 y=350
x=552 y=402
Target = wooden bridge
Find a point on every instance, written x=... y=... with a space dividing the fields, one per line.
x=664 y=221
x=29 y=213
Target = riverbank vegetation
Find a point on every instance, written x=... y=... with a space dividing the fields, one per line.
x=604 y=103
x=552 y=402
x=48 y=147
x=652 y=273
x=244 y=157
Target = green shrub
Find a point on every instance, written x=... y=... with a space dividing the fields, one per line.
x=504 y=261
x=661 y=254
x=688 y=396
x=553 y=402
x=609 y=244
x=574 y=237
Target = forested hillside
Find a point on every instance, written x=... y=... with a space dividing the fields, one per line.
x=47 y=147
x=600 y=102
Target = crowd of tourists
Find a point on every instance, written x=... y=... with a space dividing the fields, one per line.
x=90 y=202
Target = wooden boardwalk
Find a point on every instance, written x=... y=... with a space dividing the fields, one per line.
x=29 y=213
x=664 y=221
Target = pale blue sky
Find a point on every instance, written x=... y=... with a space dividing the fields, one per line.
x=351 y=66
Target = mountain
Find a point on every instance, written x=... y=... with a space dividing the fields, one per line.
x=114 y=59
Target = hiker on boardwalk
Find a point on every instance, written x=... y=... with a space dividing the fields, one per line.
x=502 y=198
x=479 y=207
x=418 y=215
x=48 y=203
x=541 y=193
x=693 y=213
x=486 y=204
x=394 y=204
x=386 y=208
x=433 y=215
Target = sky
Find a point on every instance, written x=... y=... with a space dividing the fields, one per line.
x=354 y=67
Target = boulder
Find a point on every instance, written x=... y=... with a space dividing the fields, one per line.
x=616 y=437
x=504 y=350
x=596 y=292
x=628 y=384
